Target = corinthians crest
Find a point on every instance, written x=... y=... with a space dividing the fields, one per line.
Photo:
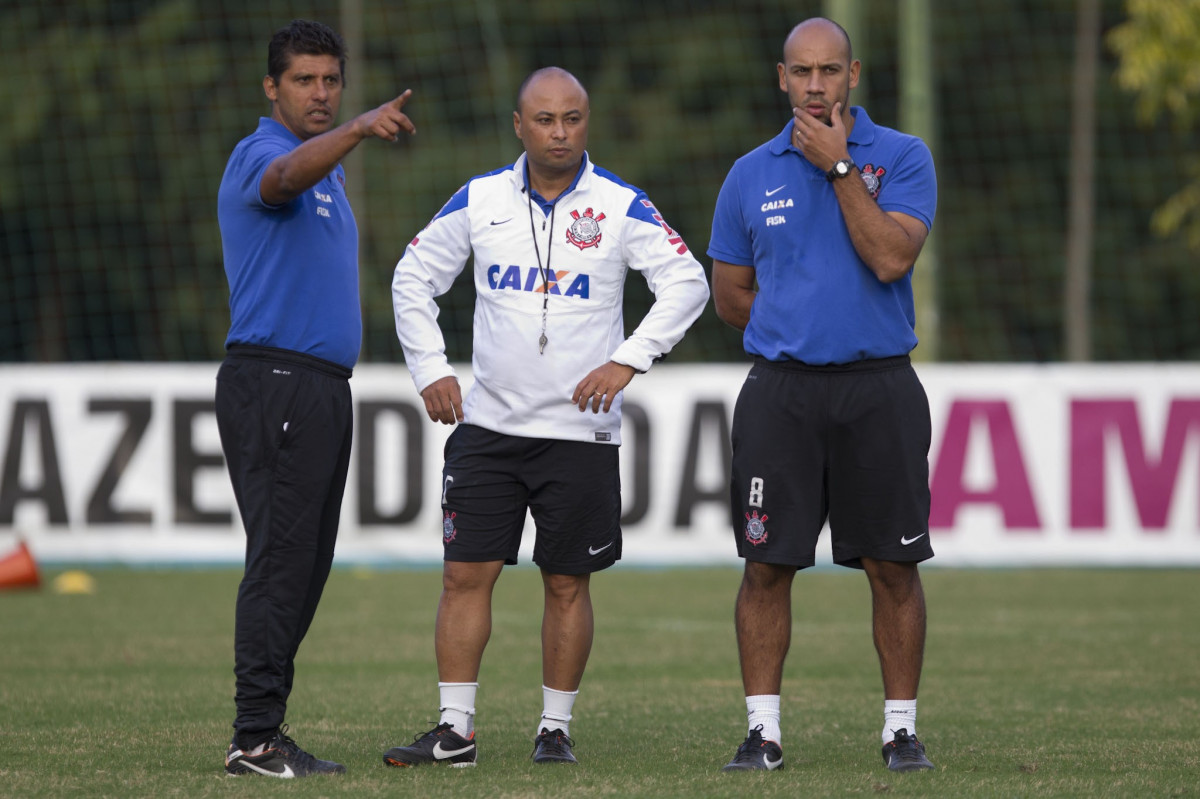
x=584 y=232
x=872 y=176
x=756 y=530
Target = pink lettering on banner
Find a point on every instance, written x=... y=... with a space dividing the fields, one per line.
x=1011 y=493
x=1151 y=480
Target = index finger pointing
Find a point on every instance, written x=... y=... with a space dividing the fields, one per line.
x=402 y=99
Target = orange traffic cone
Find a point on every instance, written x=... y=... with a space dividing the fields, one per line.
x=18 y=569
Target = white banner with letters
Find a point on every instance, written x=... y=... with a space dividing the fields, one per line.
x=1030 y=465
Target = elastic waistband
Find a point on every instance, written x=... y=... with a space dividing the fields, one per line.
x=256 y=353
x=868 y=365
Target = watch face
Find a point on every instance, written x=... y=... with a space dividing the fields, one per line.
x=840 y=169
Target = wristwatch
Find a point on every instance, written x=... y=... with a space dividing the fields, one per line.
x=840 y=169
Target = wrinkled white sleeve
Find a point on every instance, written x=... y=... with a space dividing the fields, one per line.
x=428 y=268
x=677 y=280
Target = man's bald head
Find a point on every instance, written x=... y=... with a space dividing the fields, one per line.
x=814 y=25
x=535 y=78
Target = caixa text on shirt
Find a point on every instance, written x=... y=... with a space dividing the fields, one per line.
x=530 y=278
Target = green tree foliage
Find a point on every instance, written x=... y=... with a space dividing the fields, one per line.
x=123 y=123
x=1159 y=51
x=120 y=115
x=1005 y=71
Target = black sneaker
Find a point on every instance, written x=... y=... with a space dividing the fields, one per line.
x=278 y=757
x=553 y=747
x=756 y=754
x=440 y=745
x=905 y=753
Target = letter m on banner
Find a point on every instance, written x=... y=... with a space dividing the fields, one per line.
x=1152 y=479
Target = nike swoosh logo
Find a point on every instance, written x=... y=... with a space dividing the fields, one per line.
x=601 y=549
x=774 y=191
x=906 y=541
x=771 y=764
x=286 y=774
x=501 y=221
x=442 y=754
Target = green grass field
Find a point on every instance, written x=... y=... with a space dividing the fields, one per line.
x=1037 y=683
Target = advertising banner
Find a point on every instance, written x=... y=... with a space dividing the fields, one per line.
x=1029 y=465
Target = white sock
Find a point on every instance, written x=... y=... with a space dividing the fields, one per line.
x=556 y=710
x=764 y=709
x=899 y=714
x=458 y=706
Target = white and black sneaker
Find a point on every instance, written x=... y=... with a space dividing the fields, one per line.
x=279 y=757
x=756 y=754
x=440 y=745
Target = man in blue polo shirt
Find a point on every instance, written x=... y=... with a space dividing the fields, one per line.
x=283 y=400
x=814 y=238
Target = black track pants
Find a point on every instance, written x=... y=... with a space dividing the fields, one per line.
x=285 y=421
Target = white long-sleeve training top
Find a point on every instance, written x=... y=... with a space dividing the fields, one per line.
x=601 y=227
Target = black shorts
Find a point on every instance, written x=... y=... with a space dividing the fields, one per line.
x=572 y=489
x=849 y=443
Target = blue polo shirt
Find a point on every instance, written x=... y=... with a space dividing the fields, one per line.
x=292 y=268
x=817 y=301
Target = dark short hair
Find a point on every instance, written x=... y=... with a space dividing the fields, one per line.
x=303 y=37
